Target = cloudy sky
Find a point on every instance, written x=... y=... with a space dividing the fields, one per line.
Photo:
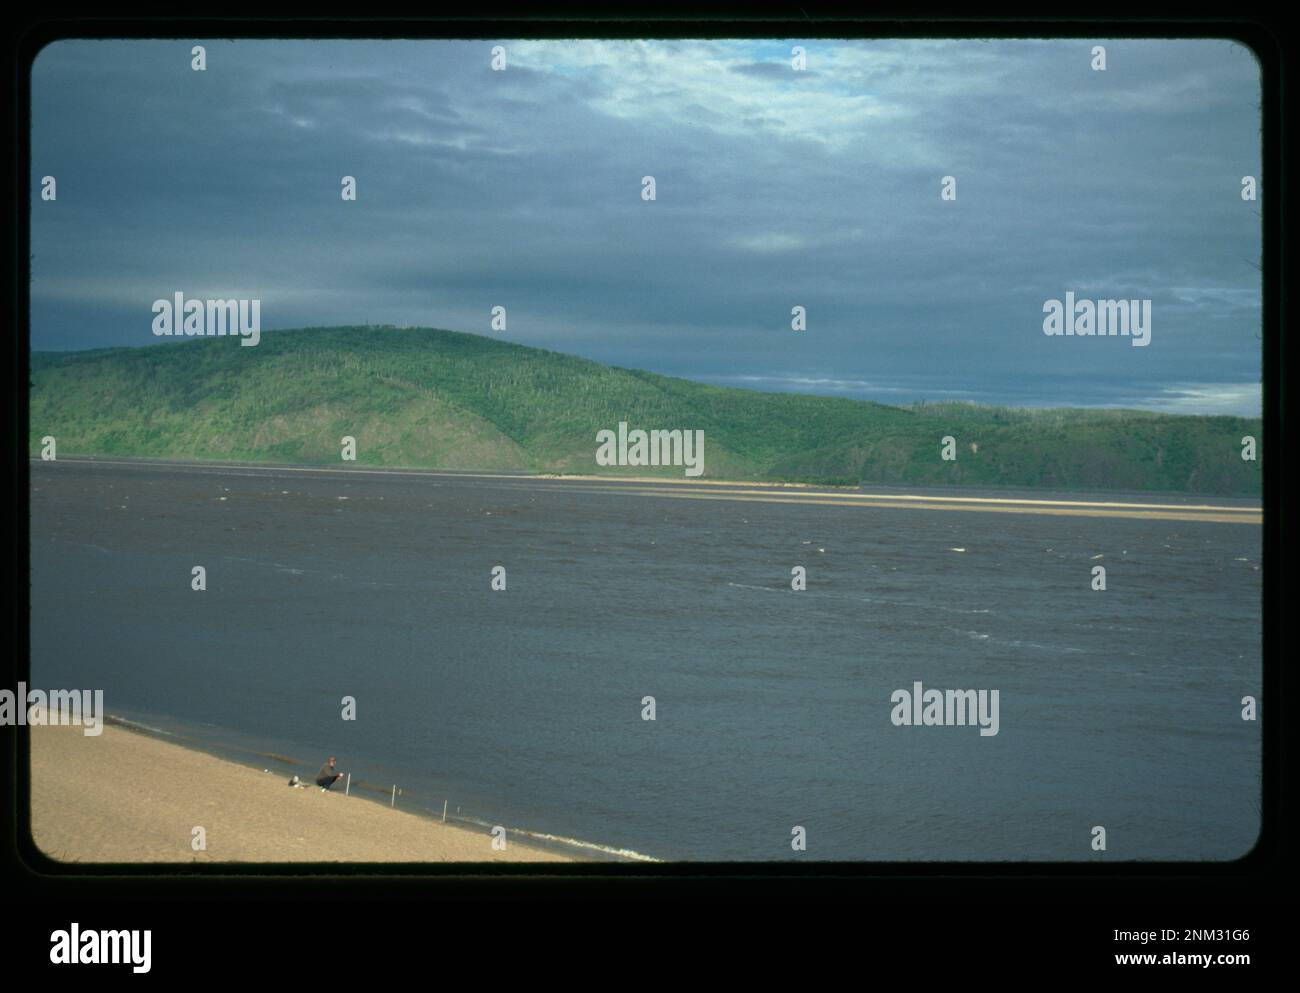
x=775 y=188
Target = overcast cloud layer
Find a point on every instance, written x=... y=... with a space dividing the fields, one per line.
x=775 y=188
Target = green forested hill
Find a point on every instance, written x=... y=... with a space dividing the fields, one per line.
x=431 y=398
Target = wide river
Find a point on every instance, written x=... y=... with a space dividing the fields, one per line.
x=525 y=707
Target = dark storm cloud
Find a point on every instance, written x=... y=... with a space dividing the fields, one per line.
x=774 y=189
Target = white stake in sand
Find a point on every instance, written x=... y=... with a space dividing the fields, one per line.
x=347 y=787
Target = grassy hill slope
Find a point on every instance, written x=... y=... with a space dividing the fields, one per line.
x=432 y=398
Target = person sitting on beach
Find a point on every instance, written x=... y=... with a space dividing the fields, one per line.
x=327 y=777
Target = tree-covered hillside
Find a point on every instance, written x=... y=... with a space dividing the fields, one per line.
x=432 y=398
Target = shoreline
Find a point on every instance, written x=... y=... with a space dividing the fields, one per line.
x=228 y=749
x=128 y=796
x=1136 y=503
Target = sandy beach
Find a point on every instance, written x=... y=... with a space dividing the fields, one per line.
x=128 y=797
